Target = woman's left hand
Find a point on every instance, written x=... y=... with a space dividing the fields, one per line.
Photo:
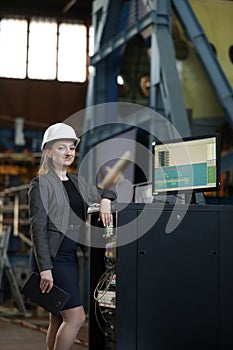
x=105 y=213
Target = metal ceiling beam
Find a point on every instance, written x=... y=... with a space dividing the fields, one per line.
x=69 y=5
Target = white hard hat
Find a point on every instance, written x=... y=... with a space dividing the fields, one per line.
x=59 y=131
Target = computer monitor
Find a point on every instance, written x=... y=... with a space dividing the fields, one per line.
x=186 y=165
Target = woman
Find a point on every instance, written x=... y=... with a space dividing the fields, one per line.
x=58 y=203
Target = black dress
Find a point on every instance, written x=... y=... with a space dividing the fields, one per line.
x=65 y=264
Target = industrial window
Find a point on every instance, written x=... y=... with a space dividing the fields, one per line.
x=91 y=49
x=13 y=48
x=91 y=41
x=72 y=50
x=43 y=49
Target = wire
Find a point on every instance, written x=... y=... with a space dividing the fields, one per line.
x=103 y=285
x=98 y=322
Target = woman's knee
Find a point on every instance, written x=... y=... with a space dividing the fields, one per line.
x=82 y=317
x=75 y=316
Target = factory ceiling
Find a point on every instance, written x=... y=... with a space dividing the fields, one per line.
x=61 y=9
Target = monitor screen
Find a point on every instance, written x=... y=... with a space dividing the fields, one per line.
x=188 y=164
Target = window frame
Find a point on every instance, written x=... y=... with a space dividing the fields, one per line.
x=58 y=23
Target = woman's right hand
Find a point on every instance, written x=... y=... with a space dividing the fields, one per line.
x=105 y=212
x=46 y=281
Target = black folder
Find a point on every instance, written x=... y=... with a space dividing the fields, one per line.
x=53 y=301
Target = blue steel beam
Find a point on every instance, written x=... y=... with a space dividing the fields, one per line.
x=169 y=83
x=124 y=36
x=195 y=33
x=100 y=12
x=160 y=22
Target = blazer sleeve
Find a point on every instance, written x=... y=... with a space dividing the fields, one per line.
x=38 y=196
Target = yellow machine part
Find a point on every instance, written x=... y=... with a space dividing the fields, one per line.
x=215 y=17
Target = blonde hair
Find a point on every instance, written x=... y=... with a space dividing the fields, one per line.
x=46 y=163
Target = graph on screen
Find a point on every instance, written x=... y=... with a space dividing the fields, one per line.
x=188 y=164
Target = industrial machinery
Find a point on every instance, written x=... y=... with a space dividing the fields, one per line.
x=174 y=57
x=169 y=56
x=103 y=297
x=173 y=289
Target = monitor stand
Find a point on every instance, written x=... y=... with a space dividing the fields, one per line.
x=195 y=198
x=200 y=198
x=184 y=198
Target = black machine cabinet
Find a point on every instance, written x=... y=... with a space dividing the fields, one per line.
x=173 y=290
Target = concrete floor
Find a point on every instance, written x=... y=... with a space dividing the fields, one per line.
x=29 y=334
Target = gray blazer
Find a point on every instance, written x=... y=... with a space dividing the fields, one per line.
x=49 y=212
